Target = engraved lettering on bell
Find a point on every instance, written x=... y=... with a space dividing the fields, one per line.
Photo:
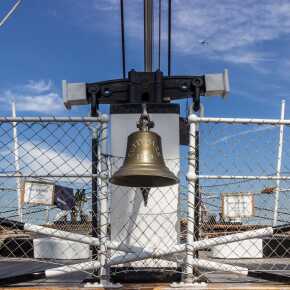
x=144 y=165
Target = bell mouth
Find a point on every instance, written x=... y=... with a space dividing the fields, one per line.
x=133 y=179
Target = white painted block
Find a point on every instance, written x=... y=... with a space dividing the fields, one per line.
x=252 y=248
x=54 y=248
x=154 y=225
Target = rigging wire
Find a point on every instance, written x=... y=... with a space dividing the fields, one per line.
x=159 y=35
x=123 y=38
x=11 y=11
x=169 y=36
x=27 y=213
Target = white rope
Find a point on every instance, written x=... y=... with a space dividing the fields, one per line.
x=11 y=11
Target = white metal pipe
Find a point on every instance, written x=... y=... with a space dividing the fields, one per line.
x=148 y=253
x=102 y=199
x=190 y=202
x=196 y=245
x=100 y=119
x=10 y=12
x=193 y=119
x=61 y=234
x=143 y=253
x=219 y=267
x=207 y=243
x=78 y=238
x=10 y=175
x=93 y=265
x=279 y=163
x=17 y=164
x=84 y=267
x=211 y=265
x=192 y=176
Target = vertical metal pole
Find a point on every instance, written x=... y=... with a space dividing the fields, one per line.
x=159 y=32
x=148 y=35
x=169 y=36
x=17 y=165
x=95 y=189
x=123 y=39
x=103 y=202
x=190 y=203
x=279 y=163
x=197 y=197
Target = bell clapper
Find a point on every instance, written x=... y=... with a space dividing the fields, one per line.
x=145 y=193
x=145 y=124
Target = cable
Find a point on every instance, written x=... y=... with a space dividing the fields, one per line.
x=27 y=213
x=159 y=35
x=123 y=38
x=169 y=36
x=15 y=209
x=12 y=10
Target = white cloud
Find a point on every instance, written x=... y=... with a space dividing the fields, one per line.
x=39 y=159
x=40 y=86
x=242 y=133
x=34 y=96
x=43 y=160
x=216 y=29
x=229 y=24
x=107 y=5
x=252 y=58
x=48 y=102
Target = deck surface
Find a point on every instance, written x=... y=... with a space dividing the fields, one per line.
x=13 y=267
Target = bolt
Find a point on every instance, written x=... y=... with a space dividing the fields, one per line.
x=184 y=87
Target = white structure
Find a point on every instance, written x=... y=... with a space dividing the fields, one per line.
x=279 y=163
x=38 y=193
x=59 y=249
x=154 y=225
x=238 y=205
x=252 y=248
x=17 y=163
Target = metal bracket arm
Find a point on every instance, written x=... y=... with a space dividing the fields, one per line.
x=146 y=87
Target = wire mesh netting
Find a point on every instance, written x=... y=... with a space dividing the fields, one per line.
x=46 y=179
x=56 y=175
x=240 y=188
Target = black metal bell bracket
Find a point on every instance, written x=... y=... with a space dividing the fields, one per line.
x=197 y=84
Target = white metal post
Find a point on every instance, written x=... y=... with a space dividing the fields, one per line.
x=188 y=278
x=17 y=165
x=103 y=202
x=103 y=211
x=279 y=163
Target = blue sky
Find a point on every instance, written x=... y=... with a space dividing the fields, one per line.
x=45 y=42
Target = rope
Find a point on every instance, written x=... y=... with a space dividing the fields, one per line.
x=123 y=38
x=12 y=10
x=169 y=35
x=159 y=35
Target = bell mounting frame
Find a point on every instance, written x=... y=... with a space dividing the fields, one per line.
x=146 y=87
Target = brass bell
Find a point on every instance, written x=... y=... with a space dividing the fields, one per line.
x=144 y=164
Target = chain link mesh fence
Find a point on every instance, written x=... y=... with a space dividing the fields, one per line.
x=239 y=186
x=46 y=179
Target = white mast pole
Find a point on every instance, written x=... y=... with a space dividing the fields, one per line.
x=16 y=157
x=279 y=163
